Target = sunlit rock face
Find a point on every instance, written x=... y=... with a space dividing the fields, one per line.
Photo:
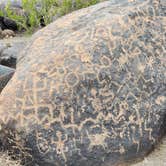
x=91 y=90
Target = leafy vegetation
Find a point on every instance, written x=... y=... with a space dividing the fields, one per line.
x=33 y=11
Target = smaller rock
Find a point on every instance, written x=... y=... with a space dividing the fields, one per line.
x=7 y=33
x=5 y=75
x=7 y=23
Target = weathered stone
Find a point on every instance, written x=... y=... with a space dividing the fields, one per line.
x=5 y=75
x=91 y=89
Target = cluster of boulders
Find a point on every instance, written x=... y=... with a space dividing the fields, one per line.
x=8 y=27
x=10 y=49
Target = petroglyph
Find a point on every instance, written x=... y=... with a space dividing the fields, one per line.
x=92 y=90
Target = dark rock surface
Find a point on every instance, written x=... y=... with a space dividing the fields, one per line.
x=6 y=23
x=91 y=88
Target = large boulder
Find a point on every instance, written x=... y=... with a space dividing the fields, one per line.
x=91 y=88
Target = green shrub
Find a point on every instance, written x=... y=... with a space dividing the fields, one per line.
x=34 y=9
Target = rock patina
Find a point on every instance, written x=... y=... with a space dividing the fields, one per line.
x=91 y=90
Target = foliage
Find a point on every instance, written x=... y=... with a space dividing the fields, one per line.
x=34 y=10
